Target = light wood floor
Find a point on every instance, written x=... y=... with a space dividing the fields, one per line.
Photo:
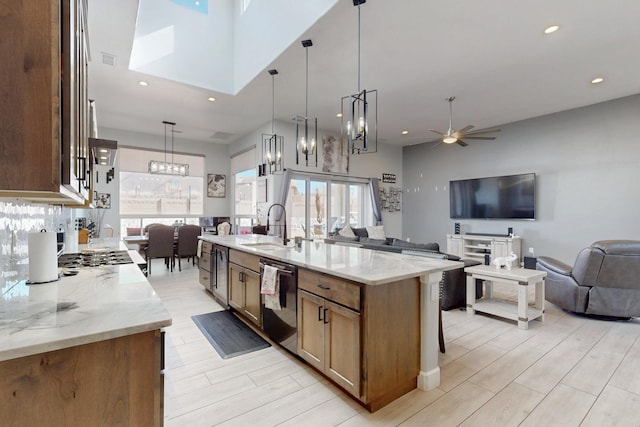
x=565 y=371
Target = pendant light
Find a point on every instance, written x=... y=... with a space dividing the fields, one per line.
x=306 y=129
x=164 y=167
x=360 y=112
x=271 y=143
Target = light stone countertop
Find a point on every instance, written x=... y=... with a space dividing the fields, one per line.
x=98 y=303
x=360 y=265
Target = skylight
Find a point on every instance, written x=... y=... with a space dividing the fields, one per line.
x=219 y=45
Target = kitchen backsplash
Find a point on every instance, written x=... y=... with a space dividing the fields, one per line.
x=24 y=218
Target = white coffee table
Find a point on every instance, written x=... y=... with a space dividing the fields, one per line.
x=520 y=277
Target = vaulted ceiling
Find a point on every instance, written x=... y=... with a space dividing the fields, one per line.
x=492 y=55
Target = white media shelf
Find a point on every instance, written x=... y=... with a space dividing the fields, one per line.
x=477 y=246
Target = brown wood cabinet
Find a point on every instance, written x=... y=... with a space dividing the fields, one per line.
x=111 y=382
x=244 y=285
x=329 y=339
x=44 y=110
x=205 y=273
x=366 y=338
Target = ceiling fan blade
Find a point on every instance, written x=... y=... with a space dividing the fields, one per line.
x=436 y=144
x=486 y=138
x=461 y=143
x=484 y=131
x=437 y=131
x=465 y=129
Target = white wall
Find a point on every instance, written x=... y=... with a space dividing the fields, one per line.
x=216 y=161
x=587 y=163
x=388 y=159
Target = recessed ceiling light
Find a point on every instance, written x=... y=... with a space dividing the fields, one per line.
x=339 y=115
x=211 y=99
x=597 y=80
x=143 y=83
x=405 y=132
x=551 y=29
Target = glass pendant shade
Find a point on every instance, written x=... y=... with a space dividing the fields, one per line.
x=271 y=143
x=360 y=109
x=359 y=112
x=307 y=137
x=165 y=167
x=306 y=128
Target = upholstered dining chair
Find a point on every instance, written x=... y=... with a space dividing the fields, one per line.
x=224 y=229
x=146 y=228
x=187 y=246
x=160 y=245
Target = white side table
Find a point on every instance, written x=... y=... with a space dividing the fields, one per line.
x=520 y=277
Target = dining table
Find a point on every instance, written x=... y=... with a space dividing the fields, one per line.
x=142 y=240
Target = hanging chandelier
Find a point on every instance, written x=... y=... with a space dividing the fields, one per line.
x=164 y=167
x=306 y=129
x=271 y=144
x=359 y=112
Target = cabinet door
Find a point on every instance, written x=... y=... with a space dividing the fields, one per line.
x=76 y=164
x=252 y=297
x=499 y=248
x=236 y=287
x=342 y=346
x=311 y=329
x=204 y=277
x=454 y=246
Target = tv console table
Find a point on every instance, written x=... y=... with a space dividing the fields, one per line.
x=477 y=246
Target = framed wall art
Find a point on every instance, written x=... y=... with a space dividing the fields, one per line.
x=102 y=201
x=216 y=185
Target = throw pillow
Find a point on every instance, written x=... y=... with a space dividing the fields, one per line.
x=376 y=232
x=361 y=232
x=346 y=232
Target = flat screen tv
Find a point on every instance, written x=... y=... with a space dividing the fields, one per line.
x=498 y=197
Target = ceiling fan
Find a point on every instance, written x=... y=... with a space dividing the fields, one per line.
x=457 y=136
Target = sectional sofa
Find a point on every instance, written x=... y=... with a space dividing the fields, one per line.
x=453 y=285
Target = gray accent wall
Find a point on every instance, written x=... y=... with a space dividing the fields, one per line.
x=587 y=166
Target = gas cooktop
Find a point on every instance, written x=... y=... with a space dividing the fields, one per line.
x=94 y=259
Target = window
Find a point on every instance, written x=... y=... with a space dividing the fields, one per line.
x=245 y=200
x=317 y=206
x=155 y=198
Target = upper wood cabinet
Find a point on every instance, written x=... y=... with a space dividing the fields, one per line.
x=45 y=108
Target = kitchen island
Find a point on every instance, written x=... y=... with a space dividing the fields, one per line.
x=368 y=320
x=83 y=350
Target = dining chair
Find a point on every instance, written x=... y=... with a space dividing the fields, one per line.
x=224 y=228
x=187 y=245
x=160 y=246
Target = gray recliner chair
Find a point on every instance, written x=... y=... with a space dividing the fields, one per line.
x=604 y=280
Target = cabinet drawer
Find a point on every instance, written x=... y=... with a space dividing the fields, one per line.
x=205 y=262
x=330 y=287
x=252 y=262
x=204 y=277
x=207 y=247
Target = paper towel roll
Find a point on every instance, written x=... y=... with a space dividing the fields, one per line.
x=43 y=257
x=71 y=240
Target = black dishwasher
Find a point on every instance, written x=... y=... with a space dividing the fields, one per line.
x=282 y=325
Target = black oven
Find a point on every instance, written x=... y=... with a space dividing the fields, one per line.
x=282 y=325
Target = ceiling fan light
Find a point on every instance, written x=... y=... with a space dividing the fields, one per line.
x=449 y=139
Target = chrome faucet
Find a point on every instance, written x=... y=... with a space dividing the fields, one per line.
x=284 y=235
